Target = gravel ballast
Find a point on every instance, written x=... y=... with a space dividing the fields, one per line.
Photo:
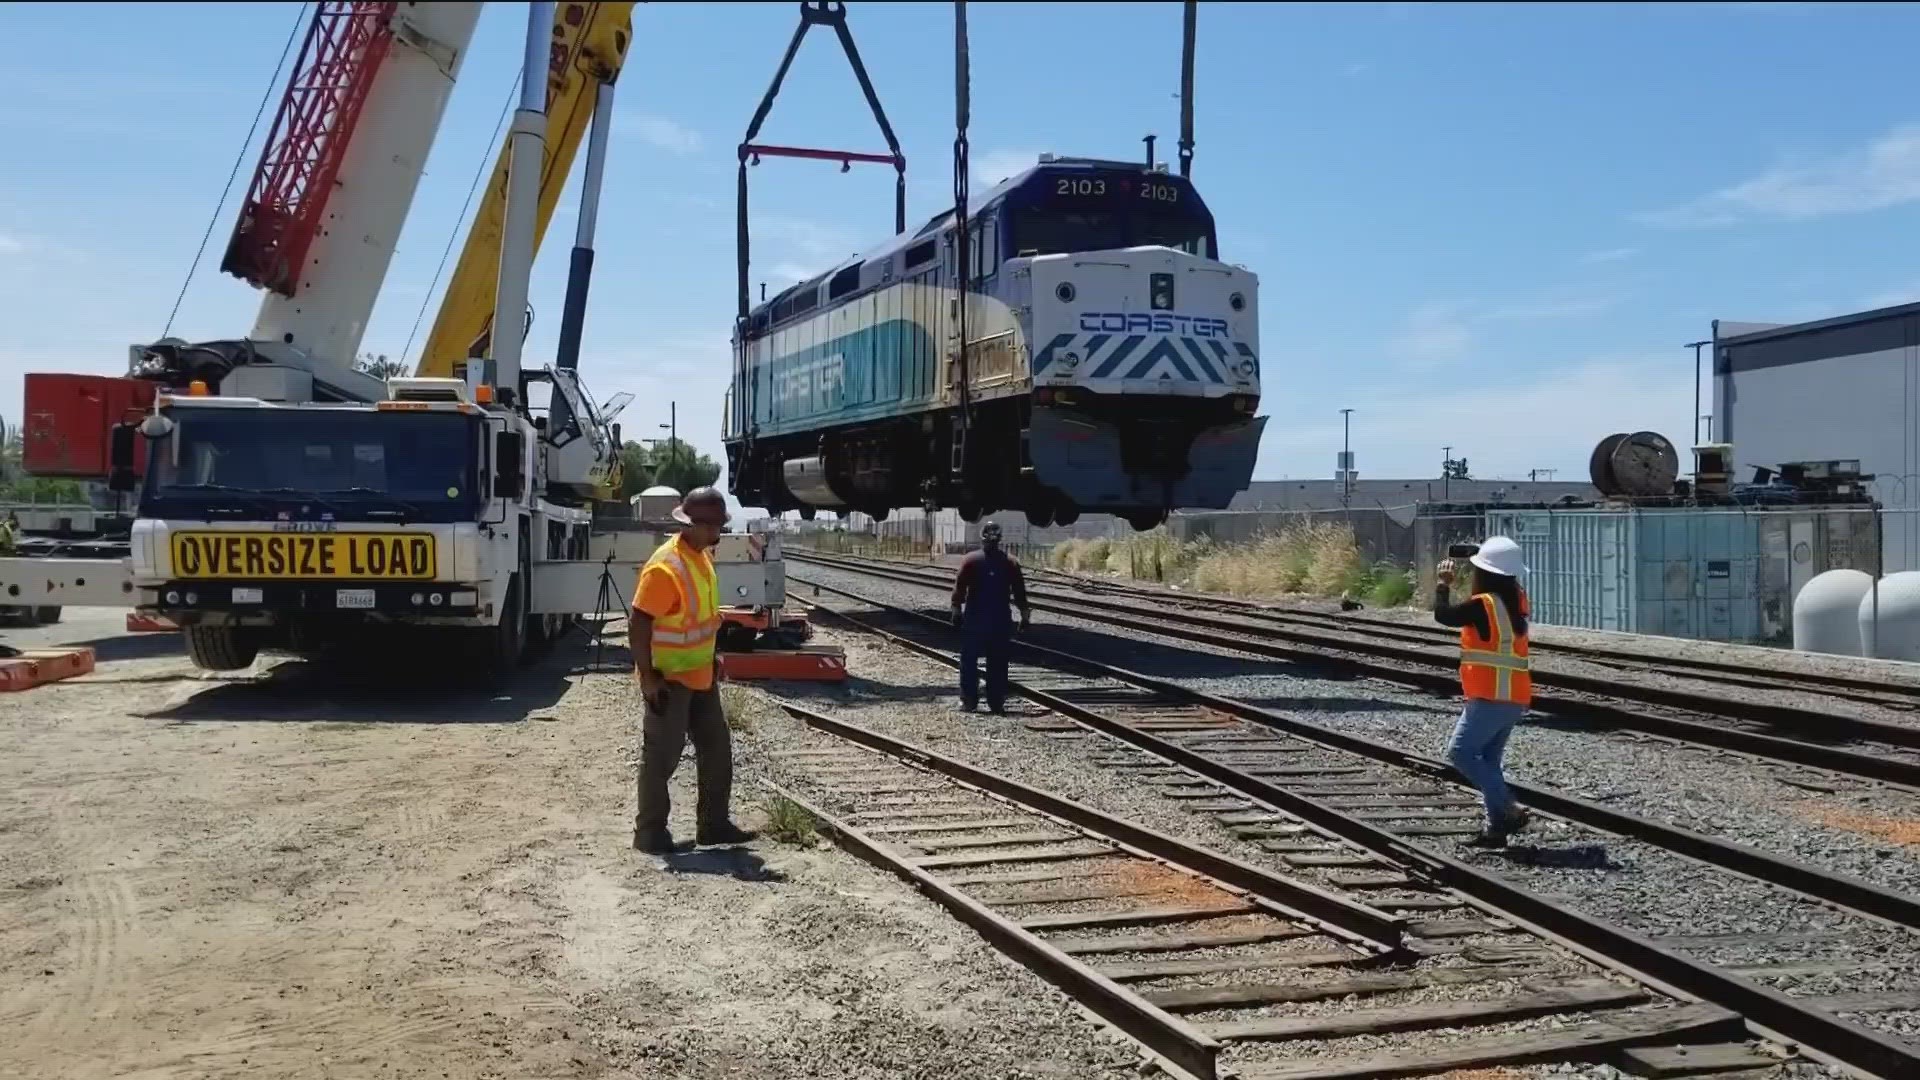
x=1626 y=882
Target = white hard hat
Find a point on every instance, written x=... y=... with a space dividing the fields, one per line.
x=1499 y=555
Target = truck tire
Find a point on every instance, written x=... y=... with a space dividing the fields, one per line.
x=503 y=644
x=48 y=614
x=221 y=648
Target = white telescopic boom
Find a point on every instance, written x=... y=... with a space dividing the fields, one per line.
x=528 y=148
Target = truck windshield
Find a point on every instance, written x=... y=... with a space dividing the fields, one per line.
x=353 y=464
x=1049 y=231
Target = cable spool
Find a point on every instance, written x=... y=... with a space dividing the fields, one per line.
x=1642 y=464
x=1600 y=465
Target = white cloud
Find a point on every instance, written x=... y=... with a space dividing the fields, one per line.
x=1607 y=255
x=1893 y=297
x=996 y=165
x=1570 y=308
x=784 y=274
x=1435 y=333
x=1546 y=420
x=1807 y=185
x=668 y=135
x=1439 y=331
x=11 y=245
x=1356 y=68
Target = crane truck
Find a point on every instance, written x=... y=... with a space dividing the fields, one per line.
x=285 y=499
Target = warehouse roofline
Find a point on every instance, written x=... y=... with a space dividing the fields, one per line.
x=1832 y=323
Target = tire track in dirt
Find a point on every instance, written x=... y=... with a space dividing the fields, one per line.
x=100 y=919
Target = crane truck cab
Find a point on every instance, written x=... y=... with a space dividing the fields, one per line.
x=315 y=527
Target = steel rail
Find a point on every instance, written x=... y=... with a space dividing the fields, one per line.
x=1332 y=913
x=1854 y=894
x=1772 y=747
x=1172 y=1038
x=1769 y=1013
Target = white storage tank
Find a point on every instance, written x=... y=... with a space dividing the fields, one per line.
x=656 y=504
x=1893 y=632
x=1826 y=614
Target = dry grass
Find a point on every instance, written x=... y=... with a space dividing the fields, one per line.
x=740 y=704
x=1903 y=831
x=1313 y=558
x=788 y=822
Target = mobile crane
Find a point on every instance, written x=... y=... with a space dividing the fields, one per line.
x=292 y=501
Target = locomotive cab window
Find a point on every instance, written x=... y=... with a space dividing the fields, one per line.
x=1043 y=231
x=844 y=282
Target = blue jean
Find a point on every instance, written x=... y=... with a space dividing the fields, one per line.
x=989 y=643
x=1478 y=748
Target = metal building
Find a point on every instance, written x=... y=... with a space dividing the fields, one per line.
x=1840 y=388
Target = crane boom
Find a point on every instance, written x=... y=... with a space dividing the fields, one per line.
x=324 y=315
x=590 y=42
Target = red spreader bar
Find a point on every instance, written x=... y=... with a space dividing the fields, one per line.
x=842 y=156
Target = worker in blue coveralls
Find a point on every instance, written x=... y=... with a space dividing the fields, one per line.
x=989 y=584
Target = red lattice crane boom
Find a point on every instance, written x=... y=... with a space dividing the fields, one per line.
x=287 y=200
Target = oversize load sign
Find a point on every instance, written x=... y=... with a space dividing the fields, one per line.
x=393 y=556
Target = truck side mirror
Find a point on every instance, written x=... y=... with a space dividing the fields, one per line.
x=120 y=456
x=509 y=479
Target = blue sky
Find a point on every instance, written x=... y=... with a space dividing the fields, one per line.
x=1491 y=227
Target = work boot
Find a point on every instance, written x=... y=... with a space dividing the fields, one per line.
x=653 y=841
x=724 y=833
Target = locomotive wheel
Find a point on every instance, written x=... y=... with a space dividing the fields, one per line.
x=806 y=513
x=969 y=513
x=1040 y=516
x=1146 y=520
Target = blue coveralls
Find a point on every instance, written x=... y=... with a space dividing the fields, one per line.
x=986 y=627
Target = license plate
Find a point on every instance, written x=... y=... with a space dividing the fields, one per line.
x=249 y=596
x=386 y=556
x=355 y=599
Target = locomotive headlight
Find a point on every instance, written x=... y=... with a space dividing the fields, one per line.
x=1246 y=369
x=1065 y=291
x=1237 y=302
x=1070 y=360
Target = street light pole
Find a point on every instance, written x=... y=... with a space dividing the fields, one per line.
x=1696 y=347
x=1346 y=457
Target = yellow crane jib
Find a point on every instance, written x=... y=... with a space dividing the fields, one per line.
x=590 y=43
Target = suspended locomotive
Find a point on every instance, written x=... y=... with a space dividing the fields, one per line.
x=1111 y=362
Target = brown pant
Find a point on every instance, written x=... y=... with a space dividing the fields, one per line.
x=664 y=736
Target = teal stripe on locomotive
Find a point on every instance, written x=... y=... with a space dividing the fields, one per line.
x=877 y=372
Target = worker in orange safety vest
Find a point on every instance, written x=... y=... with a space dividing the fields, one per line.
x=673 y=626
x=1495 y=675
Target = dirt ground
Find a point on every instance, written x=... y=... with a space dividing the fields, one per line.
x=273 y=875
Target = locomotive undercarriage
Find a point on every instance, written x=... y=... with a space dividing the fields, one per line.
x=910 y=461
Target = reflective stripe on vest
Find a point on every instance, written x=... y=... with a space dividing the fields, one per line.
x=1499 y=670
x=684 y=640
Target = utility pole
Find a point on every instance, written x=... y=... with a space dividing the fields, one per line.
x=1346 y=457
x=1696 y=346
x=1446 y=470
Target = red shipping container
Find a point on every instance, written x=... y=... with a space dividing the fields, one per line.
x=69 y=423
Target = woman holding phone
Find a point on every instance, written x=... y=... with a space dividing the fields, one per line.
x=1495 y=674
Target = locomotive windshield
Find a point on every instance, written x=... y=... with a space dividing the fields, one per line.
x=1053 y=232
x=1097 y=210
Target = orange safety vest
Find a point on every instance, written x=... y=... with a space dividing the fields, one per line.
x=683 y=641
x=1497 y=669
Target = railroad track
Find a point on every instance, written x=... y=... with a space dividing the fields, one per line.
x=1879 y=693
x=1221 y=967
x=1881 y=751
